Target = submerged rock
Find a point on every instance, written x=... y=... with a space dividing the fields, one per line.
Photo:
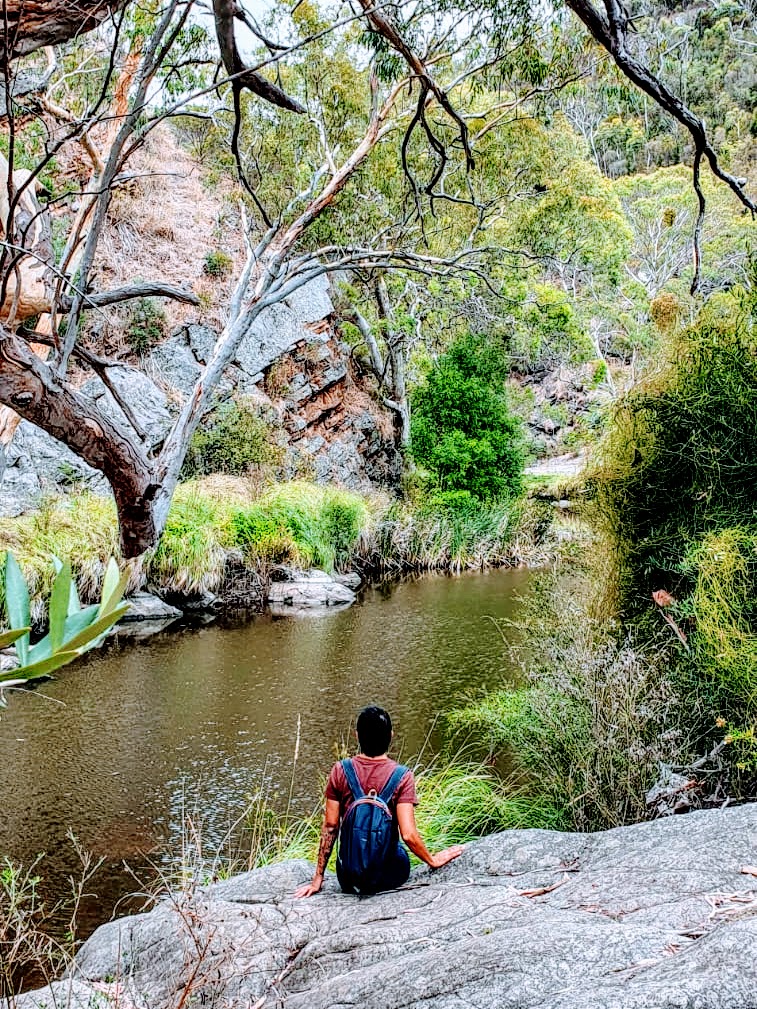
x=655 y=916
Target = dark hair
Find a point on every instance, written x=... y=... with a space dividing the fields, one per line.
x=374 y=730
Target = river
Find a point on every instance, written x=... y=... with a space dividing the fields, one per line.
x=123 y=745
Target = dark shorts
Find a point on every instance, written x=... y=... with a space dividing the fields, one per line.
x=396 y=871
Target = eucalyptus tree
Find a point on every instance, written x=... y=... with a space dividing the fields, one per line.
x=144 y=48
x=419 y=69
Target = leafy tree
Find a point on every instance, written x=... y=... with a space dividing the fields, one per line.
x=462 y=428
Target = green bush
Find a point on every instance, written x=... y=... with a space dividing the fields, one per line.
x=146 y=324
x=217 y=263
x=191 y=555
x=301 y=524
x=675 y=489
x=233 y=440
x=462 y=428
x=546 y=332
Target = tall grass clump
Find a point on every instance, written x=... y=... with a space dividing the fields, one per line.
x=460 y=799
x=81 y=527
x=675 y=491
x=453 y=531
x=303 y=524
x=586 y=732
x=191 y=556
x=463 y=799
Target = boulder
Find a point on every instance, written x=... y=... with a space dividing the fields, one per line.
x=37 y=464
x=654 y=916
x=351 y=579
x=308 y=590
x=145 y=606
x=312 y=301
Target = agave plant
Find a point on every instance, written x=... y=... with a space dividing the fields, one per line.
x=73 y=628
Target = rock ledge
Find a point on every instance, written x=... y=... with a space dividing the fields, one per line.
x=655 y=916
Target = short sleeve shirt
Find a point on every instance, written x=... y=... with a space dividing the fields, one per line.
x=372 y=774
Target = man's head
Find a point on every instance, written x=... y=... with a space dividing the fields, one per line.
x=374 y=731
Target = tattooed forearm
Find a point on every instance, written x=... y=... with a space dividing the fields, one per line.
x=328 y=837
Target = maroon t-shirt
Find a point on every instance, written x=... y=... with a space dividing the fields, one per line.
x=372 y=774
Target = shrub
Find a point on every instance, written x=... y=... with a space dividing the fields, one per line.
x=585 y=733
x=675 y=491
x=217 y=263
x=234 y=440
x=301 y=524
x=462 y=429
x=146 y=324
x=191 y=555
x=547 y=333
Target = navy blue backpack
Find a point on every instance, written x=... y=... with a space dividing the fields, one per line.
x=367 y=835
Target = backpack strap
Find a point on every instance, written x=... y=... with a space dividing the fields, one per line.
x=393 y=784
x=352 y=780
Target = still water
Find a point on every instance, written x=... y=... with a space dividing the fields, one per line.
x=122 y=745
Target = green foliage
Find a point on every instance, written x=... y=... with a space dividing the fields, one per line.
x=579 y=219
x=73 y=630
x=80 y=526
x=146 y=324
x=452 y=531
x=547 y=332
x=217 y=263
x=675 y=489
x=302 y=524
x=191 y=555
x=464 y=799
x=460 y=800
x=462 y=429
x=234 y=439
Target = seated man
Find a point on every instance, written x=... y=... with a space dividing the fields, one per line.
x=374 y=774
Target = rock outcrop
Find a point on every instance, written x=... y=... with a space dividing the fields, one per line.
x=290 y=364
x=336 y=430
x=656 y=916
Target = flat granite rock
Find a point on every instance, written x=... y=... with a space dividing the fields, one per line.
x=654 y=916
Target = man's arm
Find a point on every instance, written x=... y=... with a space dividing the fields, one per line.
x=329 y=831
x=414 y=841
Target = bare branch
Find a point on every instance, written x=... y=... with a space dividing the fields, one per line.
x=149 y=289
x=611 y=31
x=224 y=12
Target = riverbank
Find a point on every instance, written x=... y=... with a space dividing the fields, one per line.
x=226 y=536
x=655 y=916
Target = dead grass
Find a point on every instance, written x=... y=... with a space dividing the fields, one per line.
x=161 y=225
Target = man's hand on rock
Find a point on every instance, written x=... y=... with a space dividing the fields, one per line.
x=308 y=889
x=447 y=855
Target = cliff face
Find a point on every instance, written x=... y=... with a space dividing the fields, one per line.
x=336 y=430
x=291 y=364
x=662 y=915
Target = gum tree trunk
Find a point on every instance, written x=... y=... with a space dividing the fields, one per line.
x=33 y=24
